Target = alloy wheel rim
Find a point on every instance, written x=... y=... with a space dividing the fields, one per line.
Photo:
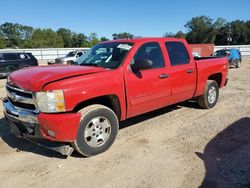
x=97 y=132
x=212 y=95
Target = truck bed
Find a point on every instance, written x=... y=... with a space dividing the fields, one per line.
x=217 y=66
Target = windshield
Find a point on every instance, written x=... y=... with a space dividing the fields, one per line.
x=107 y=55
x=71 y=54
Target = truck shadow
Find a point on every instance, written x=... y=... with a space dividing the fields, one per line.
x=144 y=117
x=227 y=157
x=21 y=144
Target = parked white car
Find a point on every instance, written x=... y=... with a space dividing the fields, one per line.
x=70 y=58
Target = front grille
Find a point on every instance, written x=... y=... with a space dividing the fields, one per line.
x=18 y=91
x=20 y=98
x=23 y=105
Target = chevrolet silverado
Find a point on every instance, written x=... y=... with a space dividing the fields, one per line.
x=79 y=107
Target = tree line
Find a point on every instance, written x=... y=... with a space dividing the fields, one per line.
x=14 y=35
x=201 y=29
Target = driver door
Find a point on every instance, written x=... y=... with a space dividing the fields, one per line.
x=148 y=89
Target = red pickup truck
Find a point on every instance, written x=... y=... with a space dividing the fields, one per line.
x=67 y=107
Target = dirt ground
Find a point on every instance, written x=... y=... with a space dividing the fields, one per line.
x=178 y=146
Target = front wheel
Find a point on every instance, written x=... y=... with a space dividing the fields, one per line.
x=210 y=96
x=97 y=131
x=69 y=62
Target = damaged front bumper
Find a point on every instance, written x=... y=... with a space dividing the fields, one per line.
x=25 y=124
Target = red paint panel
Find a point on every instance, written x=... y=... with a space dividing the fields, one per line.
x=34 y=78
x=65 y=126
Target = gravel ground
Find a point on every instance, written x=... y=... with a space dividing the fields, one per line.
x=177 y=146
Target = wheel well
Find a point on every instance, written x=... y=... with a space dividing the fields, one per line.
x=111 y=101
x=216 y=77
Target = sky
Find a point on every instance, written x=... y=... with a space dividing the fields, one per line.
x=140 y=17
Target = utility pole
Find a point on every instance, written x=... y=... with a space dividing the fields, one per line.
x=229 y=38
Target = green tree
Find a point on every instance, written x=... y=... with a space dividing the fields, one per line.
x=25 y=32
x=66 y=35
x=180 y=34
x=169 y=34
x=123 y=35
x=93 y=39
x=42 y=38
x=102 y=39
x=79 y=40
x=9 y=32
x=239 y=32
x=1 y=43
x=248 y=32
x=200 y=30
x=15 y=34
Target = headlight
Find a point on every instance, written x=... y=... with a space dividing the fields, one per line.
x=50 y=101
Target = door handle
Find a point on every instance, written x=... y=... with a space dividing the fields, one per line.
x=189 y=71
x=163 y=75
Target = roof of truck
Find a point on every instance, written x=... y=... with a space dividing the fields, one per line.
x=145 y=39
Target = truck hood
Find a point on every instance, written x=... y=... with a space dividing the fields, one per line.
x=34 y=78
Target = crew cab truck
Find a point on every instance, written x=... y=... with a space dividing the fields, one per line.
x=78 y=107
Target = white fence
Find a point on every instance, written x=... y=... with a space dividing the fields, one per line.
x=52 y=53
x=45 y=53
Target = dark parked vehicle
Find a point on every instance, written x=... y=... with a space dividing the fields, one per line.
x=234 y=56
x=11 y=61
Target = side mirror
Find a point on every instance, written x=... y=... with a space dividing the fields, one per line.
x=141 y=64
x=77 y=56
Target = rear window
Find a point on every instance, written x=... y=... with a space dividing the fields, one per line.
x=10 y=57
x=177 y=53
x=23 y=56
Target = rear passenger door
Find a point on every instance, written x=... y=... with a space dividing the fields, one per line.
x=11 y=59
x=182 y=71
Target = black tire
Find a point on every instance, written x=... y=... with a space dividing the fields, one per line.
x=90 y=113
x=204 y=100
x=238 y=64
x=69 y=62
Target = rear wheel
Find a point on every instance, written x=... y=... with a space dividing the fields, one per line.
x=238 y=64
x=210 y=96
x=97 y=131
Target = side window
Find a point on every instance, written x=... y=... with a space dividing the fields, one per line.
x=177 y=53
x=151 y=51
x=10 y=57
x=79 y=54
